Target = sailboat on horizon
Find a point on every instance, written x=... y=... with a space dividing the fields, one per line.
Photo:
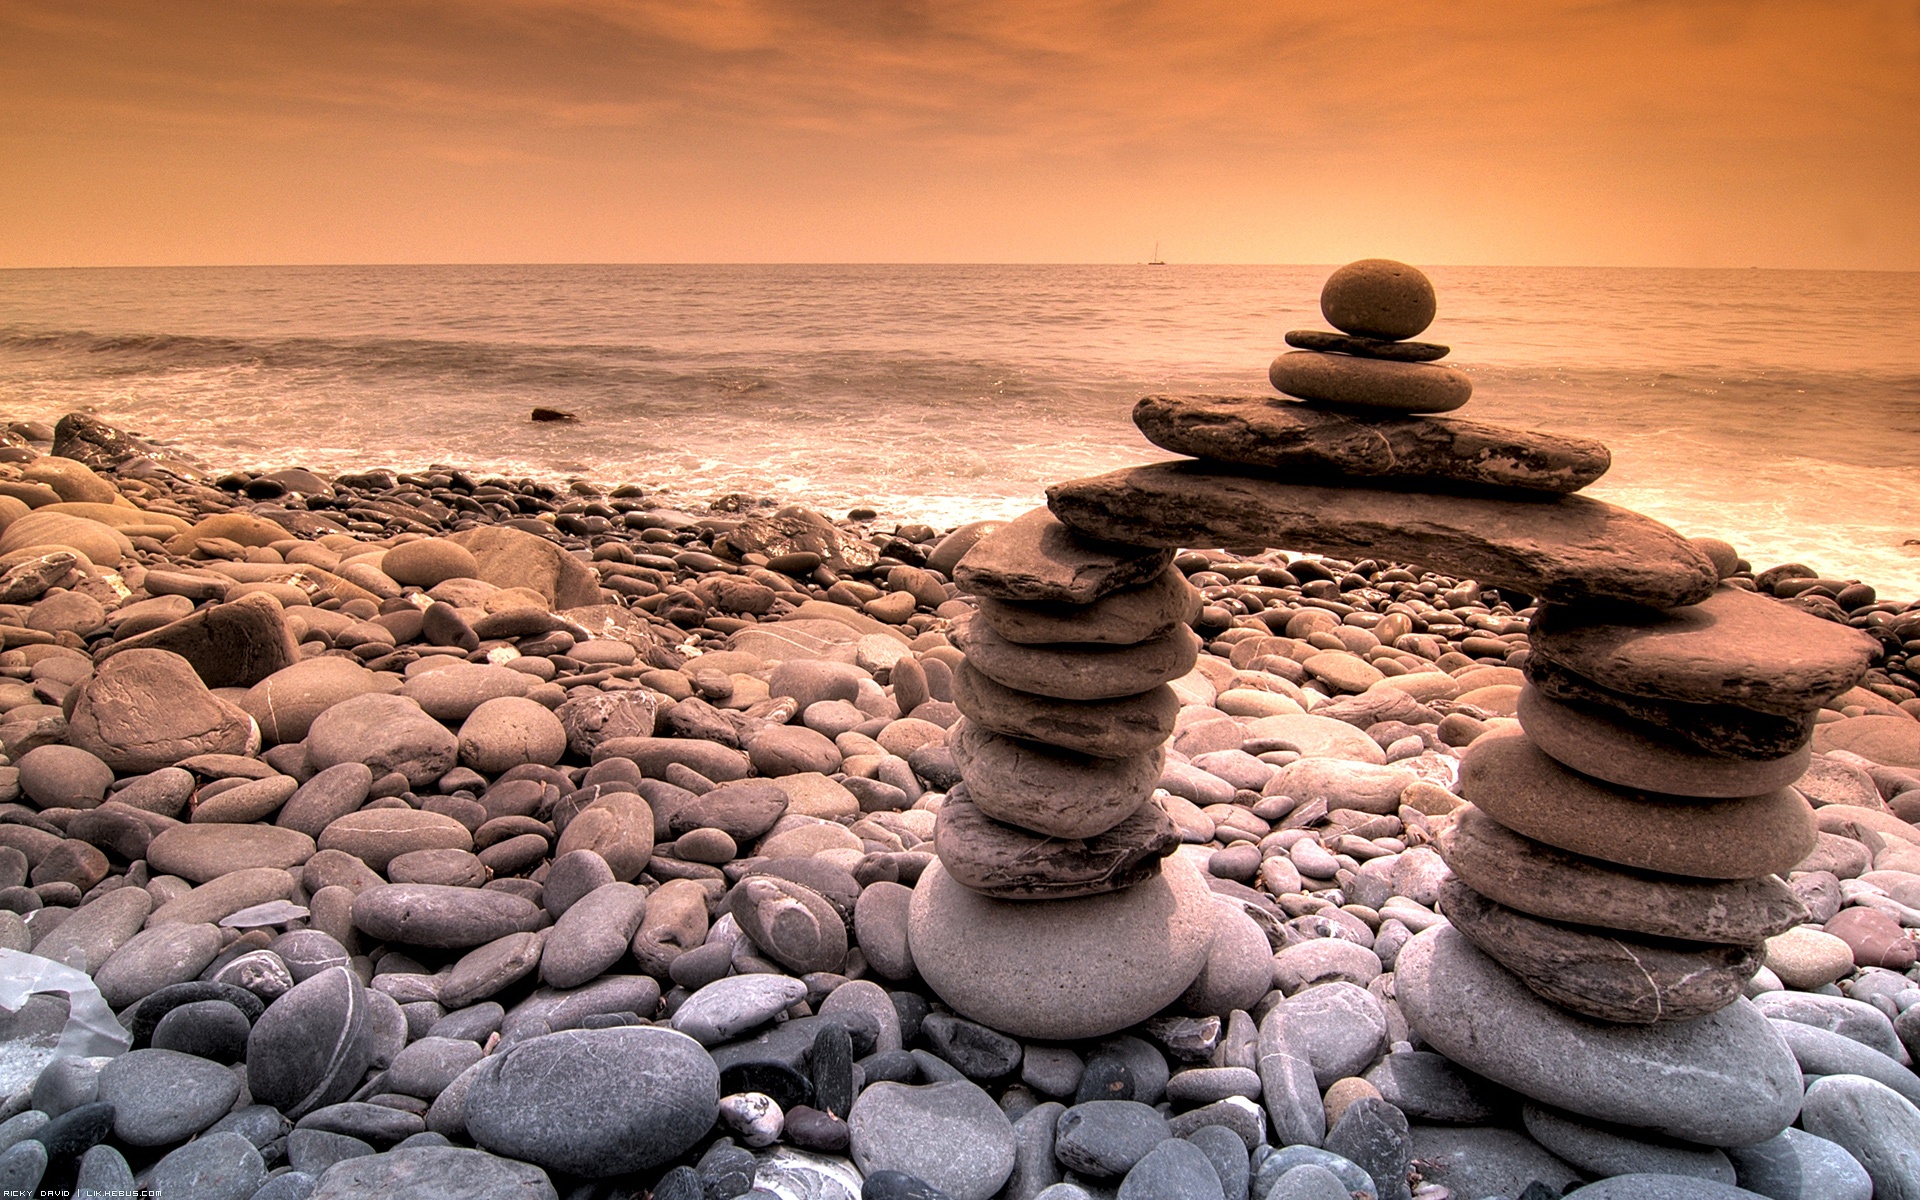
x=1156 y=260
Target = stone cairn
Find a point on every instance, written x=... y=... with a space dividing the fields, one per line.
x=1616 y=872
x=1049 y=914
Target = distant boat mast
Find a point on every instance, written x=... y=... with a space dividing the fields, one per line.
x=1156 y=260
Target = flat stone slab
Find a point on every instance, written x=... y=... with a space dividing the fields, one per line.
x=1355 y=450
x=1035 y=557
x=1508 y=777
x=1604 y=974
x=1123 y=618
x=996 y=859
x=1726 y=1079
x=1077 y=671
x=1365 y=347
x=1732 y=647
x=1536 y=878
x=1608 y=745
x=1565 y=548
x=1124 y=727
x=1714 y=728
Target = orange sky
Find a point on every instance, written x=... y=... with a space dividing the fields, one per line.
x=1603 y=132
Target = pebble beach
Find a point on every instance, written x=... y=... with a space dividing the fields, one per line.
x=446 y=835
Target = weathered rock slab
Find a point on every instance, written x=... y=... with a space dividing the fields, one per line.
x=1565 y=548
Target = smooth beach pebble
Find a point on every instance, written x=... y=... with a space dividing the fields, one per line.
x=1378 y=298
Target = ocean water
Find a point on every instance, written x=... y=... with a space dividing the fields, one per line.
x=1777 y=409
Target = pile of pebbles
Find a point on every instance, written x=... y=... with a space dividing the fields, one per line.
x=433 y=835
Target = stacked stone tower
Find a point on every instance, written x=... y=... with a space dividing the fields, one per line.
x=1616 y=870
x=1050 y=913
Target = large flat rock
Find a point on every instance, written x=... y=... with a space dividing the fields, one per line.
x=1035 y=557
x=1726 y=1079
x=1351 y=450
x=1733 y=647
x=1567 y=548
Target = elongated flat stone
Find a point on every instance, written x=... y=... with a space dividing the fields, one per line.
x=1732 y=647
x=1607 y=745
x=1073 y=671
x=1714 y=728
x=1372 y=383
x=1035 y=557
x=1726 y=1079
x=1604 y=974
x=1508 y=778
x=1055 y=792
x=1122 y=728
x=1123 y=618
x=1365 y=347
x=1552 y=884
x=1349 y=449
x=999 y=860
x=1568 y=547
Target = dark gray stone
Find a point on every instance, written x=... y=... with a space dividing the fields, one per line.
x=311 y=1047
x=595 y=1102
x=220 y=1166
x=434 y=1173
x=1373 y=1135
x=1105 y=1138
x=1228 y=1156
x=162 y=1096
x=1173 y=1170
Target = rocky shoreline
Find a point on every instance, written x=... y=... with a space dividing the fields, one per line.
x=441 y=835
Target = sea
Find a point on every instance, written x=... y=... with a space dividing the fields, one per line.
x=1779 y=410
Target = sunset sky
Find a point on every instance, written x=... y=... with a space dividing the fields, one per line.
x=1605 y=132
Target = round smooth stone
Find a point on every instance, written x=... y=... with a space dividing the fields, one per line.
x=1807 y=958
x=163 y=1096
x=949 y=1134
x=1063 y=969
x=1378 y=298
x=595 y=1102
x=428 y=562
x=1370 y=383
x=205 y=852
x=1507 y=777
x=1592 y=742
x=1726 y=1079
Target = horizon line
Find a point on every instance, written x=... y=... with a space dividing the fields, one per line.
x=344 y=265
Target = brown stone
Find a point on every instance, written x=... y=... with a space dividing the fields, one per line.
x=1732 y=647
x=1076 y=671
x=1122 y=618
x=1876 y=939
x=1567 y=547
x=1595 y=741
x=1370 y=383
x=513 y=558
x=1508 y=778
x=1304 y=441
x=1036 y=558
x=999 y=860
x=198 y=853
x=1724 y=729
x=1551 y=884
x=229 y=645
x=1366 y=347
x=1122 y=728
x=1888 y=740
x=1603 y=974
x=1048 y=790
x=147 y=709
x=1378 y=298
x=377 y=836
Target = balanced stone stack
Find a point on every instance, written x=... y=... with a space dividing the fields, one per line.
x=1615 y=872
x=1049 y=913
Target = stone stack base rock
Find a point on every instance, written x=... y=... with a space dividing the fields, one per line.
x=1615 y=877
x=1053 y=910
